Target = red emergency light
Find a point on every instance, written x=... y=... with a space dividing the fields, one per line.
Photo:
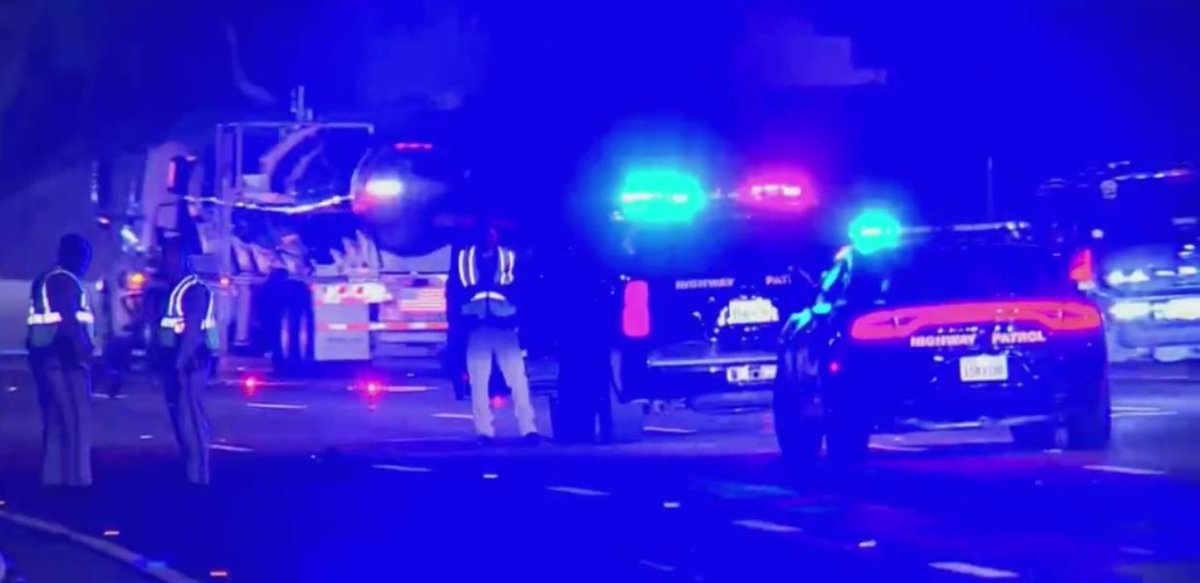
x=778 y=190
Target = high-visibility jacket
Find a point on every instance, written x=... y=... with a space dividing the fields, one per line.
x=486 y=296
x=173 y=323
x=43 y=319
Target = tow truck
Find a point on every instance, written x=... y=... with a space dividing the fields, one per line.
x=322 y=239
x=1134 y=231
x=681 y=305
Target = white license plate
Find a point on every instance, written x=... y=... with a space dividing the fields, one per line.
x=752 y=311
x=983 y=368
x=750 y=373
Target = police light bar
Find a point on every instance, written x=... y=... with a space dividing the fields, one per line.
x=661 y=196
x=874 y=230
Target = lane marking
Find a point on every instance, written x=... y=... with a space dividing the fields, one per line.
x=111 y=533
x=868 y=544
x=282 y=406
x=490 y=476
x=227 y=447
x=577 y=491
x=670 y=430
x=396 y=468
x=656 y=566
x=154 y=569
x=145 y=436
x=453 y=416
x=671 y=505
x=1144 y=414
x=1139 y=551
x=765 y=525
x=887 y=447
x=406 y=389
x=1134 y=408
x=1125 y=470
x=973 y=570
x=12 y=389
x=742 y=490
x=218 y=574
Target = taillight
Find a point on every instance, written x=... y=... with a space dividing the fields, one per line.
x=1083 y=268
x=903 y=322
x=635 y=315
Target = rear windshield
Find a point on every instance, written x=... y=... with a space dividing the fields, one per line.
x=918 y=275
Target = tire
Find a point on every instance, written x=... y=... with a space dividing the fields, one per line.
x=620 y=420
x=798 y=435
x=295 y=350
x=1089 y=427
x=1085 y=426
x=847 y=440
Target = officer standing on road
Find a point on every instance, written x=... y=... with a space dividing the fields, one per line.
x=60 y=348
x=489 y=316
x=188 y=336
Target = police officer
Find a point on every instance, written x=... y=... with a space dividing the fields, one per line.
x=60 y=347
x=489 y=316
x=189 y=340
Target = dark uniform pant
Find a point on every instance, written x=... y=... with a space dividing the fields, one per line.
x=64 y=391
x=184 y=390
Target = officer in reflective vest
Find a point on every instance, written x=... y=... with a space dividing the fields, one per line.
x=189 y=341
x=60 y=347
x=486 y=274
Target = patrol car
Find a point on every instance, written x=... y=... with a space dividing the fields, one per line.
x=1134 y=230
x=942 y=328
x=687 y=303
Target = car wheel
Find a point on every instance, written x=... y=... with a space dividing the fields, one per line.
x=295 y=349
x=1090 y=427
x=847 y=440
x=621 y=419
x=1036 y=436
x=797 y=433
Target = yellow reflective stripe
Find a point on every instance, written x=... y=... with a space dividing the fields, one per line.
x=472 y=270
x=506 y=274
x=85 y=318
x=483 y=295
x=463 y=276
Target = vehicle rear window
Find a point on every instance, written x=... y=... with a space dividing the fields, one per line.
x=920 y=275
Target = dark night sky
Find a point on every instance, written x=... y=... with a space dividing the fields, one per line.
x=1040 y=85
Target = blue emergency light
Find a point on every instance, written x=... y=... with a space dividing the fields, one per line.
x=873 y=230
x=661 y=196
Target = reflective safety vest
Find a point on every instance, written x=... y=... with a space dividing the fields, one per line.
x=173 y=323
x=43 y=321
x=486 y=297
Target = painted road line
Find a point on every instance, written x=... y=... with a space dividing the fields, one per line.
x=868 y=544
x=396 y=468
x=1137 y=551
x=670 y=430
x=153 y=569
x=577 y=491
x=490 y=476
x=670 y=505
x=227 y=447
x=656 y=566
x=145 y=436
x=12 y=388
x=406 y=389
x=888 y=447
x=973 y=570
x=1125 y=470
x=283 y=406
x=466 y=416
x=1126 y=414
x=1124 y=408
x=765 y=525
x=110 y=533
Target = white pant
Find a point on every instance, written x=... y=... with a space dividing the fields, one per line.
x=482 y=345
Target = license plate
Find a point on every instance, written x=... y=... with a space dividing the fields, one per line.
x=751 y=311
x=750 y=373
x=983 y=368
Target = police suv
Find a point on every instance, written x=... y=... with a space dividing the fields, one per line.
x=689 y=299
x=934 y=329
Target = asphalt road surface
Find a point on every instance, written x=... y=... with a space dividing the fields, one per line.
x=313 y=484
